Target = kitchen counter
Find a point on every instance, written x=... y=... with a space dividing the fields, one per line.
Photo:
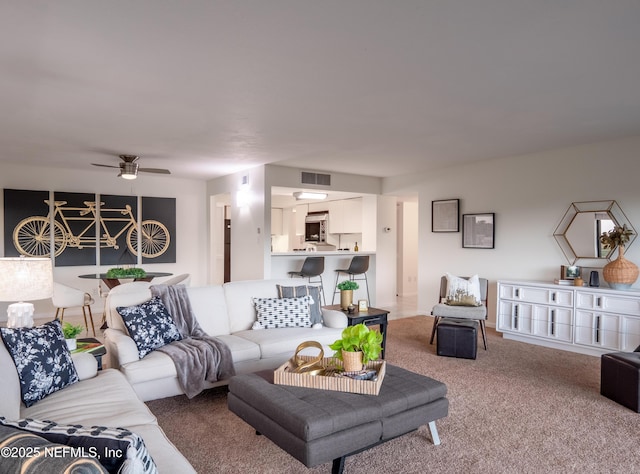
x=319 y=253
x=284 y=262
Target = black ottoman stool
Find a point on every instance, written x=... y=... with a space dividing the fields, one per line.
x=620 y=378
x=457 y=338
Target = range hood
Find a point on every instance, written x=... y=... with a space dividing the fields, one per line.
x=317 y=216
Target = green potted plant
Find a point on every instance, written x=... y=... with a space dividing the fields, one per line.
x=70 y=333
x=118 y=272
x=357 y=346
x=346 y=288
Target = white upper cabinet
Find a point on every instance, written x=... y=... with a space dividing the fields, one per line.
x=345 y=216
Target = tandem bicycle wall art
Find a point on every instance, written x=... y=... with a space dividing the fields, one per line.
x=80 y=228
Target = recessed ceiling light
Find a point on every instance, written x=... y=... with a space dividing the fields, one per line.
x=299 y=195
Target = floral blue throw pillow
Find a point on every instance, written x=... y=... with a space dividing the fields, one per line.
x=150 y=325
x=42 y=360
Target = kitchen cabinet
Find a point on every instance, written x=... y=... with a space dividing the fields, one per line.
x=276 y=221
x=301 y=215
x=580 y=319
x=345 y=216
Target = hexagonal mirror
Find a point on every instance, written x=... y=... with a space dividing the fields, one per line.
x=578 y=233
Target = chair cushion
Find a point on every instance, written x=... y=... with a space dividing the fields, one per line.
x=42 y=359
x=461 y=312
x=463 y=292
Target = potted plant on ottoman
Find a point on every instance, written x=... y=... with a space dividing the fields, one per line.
x=357 y=346
x=346 y=288
x=70 y=333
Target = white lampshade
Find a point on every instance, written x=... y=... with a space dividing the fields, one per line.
x=24 y=279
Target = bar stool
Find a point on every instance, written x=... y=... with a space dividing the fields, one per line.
x=312 y=267
x=358 y=266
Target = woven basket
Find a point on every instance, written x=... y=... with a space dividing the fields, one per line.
x=352 y=361
x=621 y=273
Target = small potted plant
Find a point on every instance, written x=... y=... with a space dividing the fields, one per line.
x=70 y=333
x=346 y=288
x=357 y=346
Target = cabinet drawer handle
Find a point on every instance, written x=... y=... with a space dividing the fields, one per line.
x=515 y=317
x=517 y=292
x=598 y=301
x=553 y=296
x=553 y=321
x=597 y=328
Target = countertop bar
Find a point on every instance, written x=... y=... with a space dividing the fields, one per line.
x=319 y=253
x=284 y=262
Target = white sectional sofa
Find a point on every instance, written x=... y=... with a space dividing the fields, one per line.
x=225 y=311
x=100 y=398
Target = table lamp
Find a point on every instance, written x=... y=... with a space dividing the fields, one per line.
x=24 y=279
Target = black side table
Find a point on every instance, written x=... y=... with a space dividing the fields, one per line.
x=371 y=317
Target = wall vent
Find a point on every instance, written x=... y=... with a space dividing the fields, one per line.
x=315 y=178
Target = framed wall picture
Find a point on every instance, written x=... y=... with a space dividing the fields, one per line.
x=478 y=231
x=570 y=272
x=445 y=215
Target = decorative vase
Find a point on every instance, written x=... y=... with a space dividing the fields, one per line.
x=621 y=273
x=352 y=361
x=72 y=344
x=346 y=299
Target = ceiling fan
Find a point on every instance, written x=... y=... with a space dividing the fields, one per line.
x=129 y=167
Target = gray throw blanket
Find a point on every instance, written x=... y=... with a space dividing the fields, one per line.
x=198 y=357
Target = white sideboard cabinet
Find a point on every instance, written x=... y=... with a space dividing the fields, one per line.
x=580 y=319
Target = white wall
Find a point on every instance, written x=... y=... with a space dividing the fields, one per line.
x=529 y=195
x=191 y=229
x=407 y=248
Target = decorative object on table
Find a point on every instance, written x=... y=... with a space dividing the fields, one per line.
x=357 y=346
x=70 y=335
x=445 y=215
x=119 y=272
x=351 y=308
x=346 y=288
x=594 y=279
x=569 y=272
x=363 y=305
x=309 y=365
x=478 y=231
x=24 y=279
x=620 y=274
x=578 y=281
x=355 y=247
x=333 y=379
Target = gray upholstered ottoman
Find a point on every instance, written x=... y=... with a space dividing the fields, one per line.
x=317 y=426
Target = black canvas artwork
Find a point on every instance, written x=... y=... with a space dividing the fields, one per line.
x=76 y=214
x=158 y=235
x=26 y=223
x=118 y=235
x=80 y=226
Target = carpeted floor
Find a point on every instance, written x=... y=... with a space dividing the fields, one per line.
x=517 y=408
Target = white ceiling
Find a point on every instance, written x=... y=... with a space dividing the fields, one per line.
x=382 y=88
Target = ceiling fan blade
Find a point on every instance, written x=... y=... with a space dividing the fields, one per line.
x=154 y=170
x=105 y=166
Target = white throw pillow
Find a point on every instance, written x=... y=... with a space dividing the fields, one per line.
x=463 y=292
x=283 y=312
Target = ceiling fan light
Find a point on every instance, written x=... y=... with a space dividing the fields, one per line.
x=299 y=195
x=128 y=170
